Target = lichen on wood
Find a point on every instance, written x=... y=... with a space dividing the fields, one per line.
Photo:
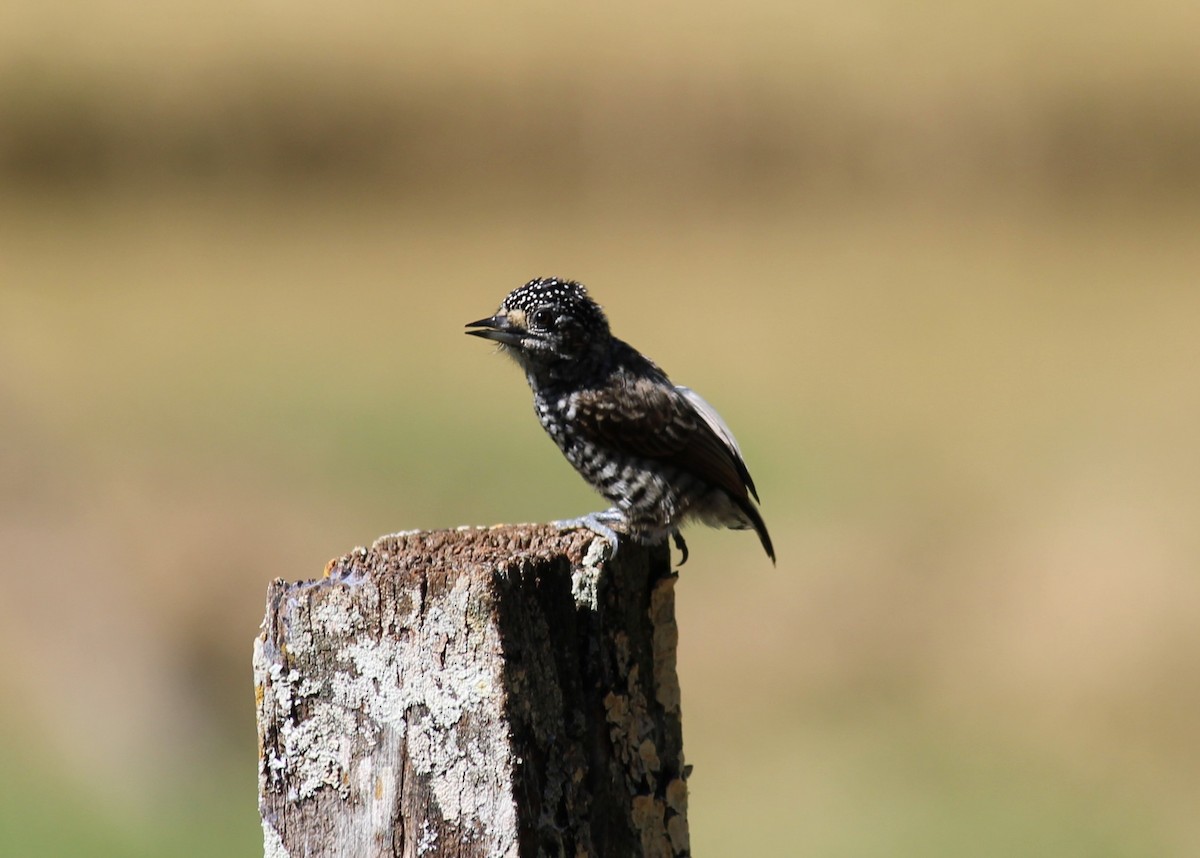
x=506 y=691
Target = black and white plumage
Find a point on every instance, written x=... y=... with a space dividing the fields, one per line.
x=659 y=453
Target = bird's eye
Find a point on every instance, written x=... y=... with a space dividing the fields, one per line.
x=543 y=318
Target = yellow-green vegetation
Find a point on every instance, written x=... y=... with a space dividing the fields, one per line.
x=937 y=266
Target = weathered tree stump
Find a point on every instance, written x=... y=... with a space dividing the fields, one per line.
x=473 y=692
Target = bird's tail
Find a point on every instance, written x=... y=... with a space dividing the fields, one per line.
x=760 y=526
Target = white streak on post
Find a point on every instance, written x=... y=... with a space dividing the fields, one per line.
x=421 y=683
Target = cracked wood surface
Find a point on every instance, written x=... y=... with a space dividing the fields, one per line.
x=500 y=691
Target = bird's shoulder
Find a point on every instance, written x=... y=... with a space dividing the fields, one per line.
x=633 y=404
x=636 y=410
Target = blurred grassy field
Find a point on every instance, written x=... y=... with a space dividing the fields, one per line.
x=938 y=268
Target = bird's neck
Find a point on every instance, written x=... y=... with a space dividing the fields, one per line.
x=553 y=376
x=548 y=380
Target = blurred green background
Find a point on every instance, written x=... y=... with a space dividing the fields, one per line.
x=937 y=264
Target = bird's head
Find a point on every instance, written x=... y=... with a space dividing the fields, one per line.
x=551 y=327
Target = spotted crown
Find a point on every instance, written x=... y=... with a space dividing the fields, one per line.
x=569 y=300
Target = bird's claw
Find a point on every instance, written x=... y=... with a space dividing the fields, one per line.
x=599 y=523
x=677 y=537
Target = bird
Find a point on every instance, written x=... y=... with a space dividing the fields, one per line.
x=657 y=451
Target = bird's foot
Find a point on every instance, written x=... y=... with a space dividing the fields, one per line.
x=681 y=545
x=600 y=523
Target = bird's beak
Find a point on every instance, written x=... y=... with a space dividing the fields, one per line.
x=497 y=328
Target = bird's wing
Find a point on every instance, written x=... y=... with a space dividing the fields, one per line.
x=720 y=428
x=673 y=425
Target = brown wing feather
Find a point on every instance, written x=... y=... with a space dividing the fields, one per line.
x=666 y=427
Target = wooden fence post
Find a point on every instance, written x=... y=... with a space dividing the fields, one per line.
x=476 y=692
